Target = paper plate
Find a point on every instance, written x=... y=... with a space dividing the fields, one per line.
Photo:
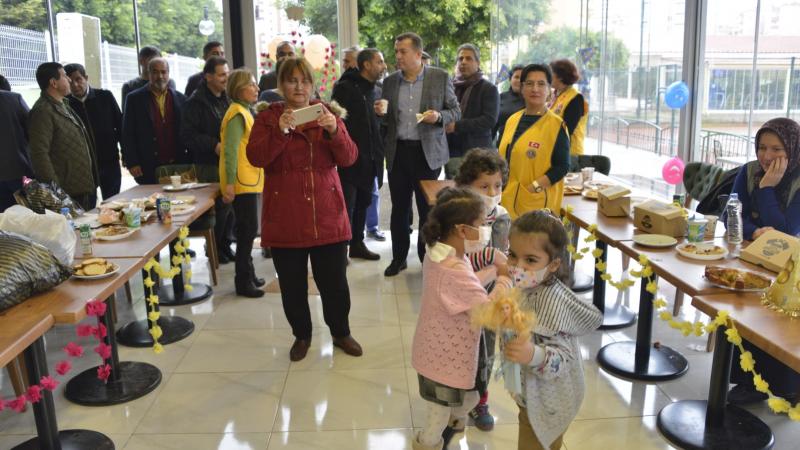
x=115 y=237
x=171 y=188
x=702 y=257
x=185 y=198
x=655 y=240
x=591 y=194
x=97 y=277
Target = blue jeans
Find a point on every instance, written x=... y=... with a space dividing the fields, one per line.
x=374 y=207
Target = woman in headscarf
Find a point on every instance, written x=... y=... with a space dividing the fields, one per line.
x=767 y=188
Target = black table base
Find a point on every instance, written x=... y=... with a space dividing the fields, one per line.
x=581 y=282
x=641 y=360
x=72 y=440
x=44 y=413
x=137 y=334
x=684 y=425
x=135 y=380
x=615 y=315
x=177 y=297
x=714 y=424
x=662 y=364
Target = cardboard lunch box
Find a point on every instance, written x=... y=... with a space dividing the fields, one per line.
x=660 y=218
x=771 y=250
x=614 y=201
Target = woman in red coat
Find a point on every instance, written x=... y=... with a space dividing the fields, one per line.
x=303 y=214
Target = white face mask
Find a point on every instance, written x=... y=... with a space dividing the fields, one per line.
x=491 y=202
x=525 y=279
x=476 y=245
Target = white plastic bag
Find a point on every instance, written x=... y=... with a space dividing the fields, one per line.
x=49 y=229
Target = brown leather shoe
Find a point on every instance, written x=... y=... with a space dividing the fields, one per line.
x=299 y=349
x=348 y=345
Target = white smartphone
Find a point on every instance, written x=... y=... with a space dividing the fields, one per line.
x=307 y=114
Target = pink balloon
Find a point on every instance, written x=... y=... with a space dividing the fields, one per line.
x=672 y=172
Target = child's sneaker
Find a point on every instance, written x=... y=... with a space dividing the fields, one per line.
x=483 y=420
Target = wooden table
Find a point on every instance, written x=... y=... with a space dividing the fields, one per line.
x=21 y=330
x=699 y=423
x=144 y=243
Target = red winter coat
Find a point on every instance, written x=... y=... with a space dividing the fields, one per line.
x=303 y=205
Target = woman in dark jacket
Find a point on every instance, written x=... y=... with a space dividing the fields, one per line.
x=511 y=100
x=304 y=214
x=768 y=189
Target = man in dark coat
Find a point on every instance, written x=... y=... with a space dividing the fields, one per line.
x=269 y=80
x=146 y=53
x=14 y=151
x=100 y=114
x=355 y=91
x=213 y=48
x=202 y=117
x=151 y=125
x=480 y=104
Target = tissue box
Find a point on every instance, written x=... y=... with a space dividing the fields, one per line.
x=614 y=201
x=771 y=250
x=660 y=218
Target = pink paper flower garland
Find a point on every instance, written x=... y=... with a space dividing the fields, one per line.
x=95 y=308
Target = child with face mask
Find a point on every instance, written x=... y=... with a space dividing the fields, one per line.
x=485 y=172
x=552 y=370
x=445 y=346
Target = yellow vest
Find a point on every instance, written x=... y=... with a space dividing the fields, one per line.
x=559 y=106
x=248 y=178
x=530 y=159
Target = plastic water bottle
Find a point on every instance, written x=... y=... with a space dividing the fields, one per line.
x=734 y=221
x=65 y=212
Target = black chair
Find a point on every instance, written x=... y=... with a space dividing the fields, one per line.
x=600 y=163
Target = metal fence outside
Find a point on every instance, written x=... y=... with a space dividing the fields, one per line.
x=22 y=51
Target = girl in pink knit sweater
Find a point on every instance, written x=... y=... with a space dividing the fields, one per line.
x=445 y=348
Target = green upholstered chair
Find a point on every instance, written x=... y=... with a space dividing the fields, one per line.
x=699 y=179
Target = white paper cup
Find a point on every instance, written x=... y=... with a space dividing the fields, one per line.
x=176 y=181
x=587 y=173
x=383 y=106
x=711 y=226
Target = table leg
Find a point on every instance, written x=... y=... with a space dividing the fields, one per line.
x=128 y=381
x=44 y=412
x=714 y=424
x=137 y=333
x=180 y=296
x=579 y=281
x=615 y=315
x=640 y=360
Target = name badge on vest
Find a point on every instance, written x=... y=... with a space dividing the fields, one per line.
x=532 y=147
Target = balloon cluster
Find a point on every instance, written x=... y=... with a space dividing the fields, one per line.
x=316 y=49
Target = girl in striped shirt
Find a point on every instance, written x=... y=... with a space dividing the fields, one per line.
x=552 y=371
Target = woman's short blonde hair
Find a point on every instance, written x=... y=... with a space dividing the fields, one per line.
x=237 y=80
x=289 y=64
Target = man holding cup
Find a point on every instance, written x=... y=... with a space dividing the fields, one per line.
x=355 y=91
x=420 y=103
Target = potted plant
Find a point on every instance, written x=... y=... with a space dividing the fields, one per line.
x=294 y=10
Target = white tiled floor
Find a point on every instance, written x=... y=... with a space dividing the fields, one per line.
x=231 y=386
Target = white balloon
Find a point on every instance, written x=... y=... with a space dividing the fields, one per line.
x=316 y=46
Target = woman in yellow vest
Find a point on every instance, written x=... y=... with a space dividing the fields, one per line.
x=240 y=182
x=536 y=146
x=569 y=104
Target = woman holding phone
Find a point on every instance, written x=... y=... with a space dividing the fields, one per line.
x=304 y=215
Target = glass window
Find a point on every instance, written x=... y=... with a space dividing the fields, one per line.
x=311 y=28
x=24 y=44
